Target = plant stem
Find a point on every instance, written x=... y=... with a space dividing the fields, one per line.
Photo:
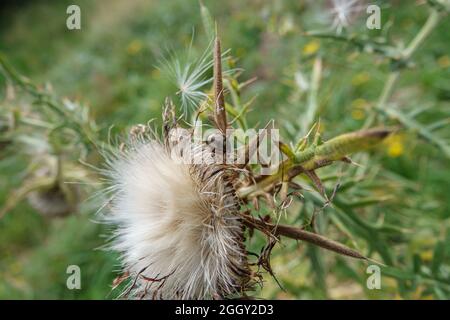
x=300 y=234
x=428 y=27
x=405 y=55
x=384 y=97
x=220 y=114
x=312 y=104
x=314 y=157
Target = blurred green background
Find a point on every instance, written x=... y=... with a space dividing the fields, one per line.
x=111 y=66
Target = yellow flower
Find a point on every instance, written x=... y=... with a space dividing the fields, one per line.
x=395 y=146
x=359 y=103
x=358 y=114
x=426 y=255
x=358 y=106
x=398 y=296
x=360 y=78
x=311 y=47
x=395 y=149
x=417 y=294
x=134 y=47
x=444 y=62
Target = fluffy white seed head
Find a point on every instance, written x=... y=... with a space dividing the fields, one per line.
x=343 y=12
x=191 y=76
x=177 y=228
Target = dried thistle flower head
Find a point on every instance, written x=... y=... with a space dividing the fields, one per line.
x=178 y=229
x=53 y=197
x=52 y=202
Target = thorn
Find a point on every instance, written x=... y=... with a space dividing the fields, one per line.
x=317 y=138
x=269 y=199
x=220 y=115
x=350 y=161
x=317 y=182
x=376 y=262
x=301 y=144
x=255 y=203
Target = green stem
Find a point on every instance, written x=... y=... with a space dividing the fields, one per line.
x=312 y=105
x=384 y=97
x=427 y=28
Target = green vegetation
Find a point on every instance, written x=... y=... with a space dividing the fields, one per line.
x=393 y=207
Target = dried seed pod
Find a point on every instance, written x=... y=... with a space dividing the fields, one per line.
x=177 y=224
x=55 y=200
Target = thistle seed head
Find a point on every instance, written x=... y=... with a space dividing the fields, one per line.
x=177 y=224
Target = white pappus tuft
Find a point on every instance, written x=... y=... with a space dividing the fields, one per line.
x=191 y=76
x=343 y=12
x=176 y=224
